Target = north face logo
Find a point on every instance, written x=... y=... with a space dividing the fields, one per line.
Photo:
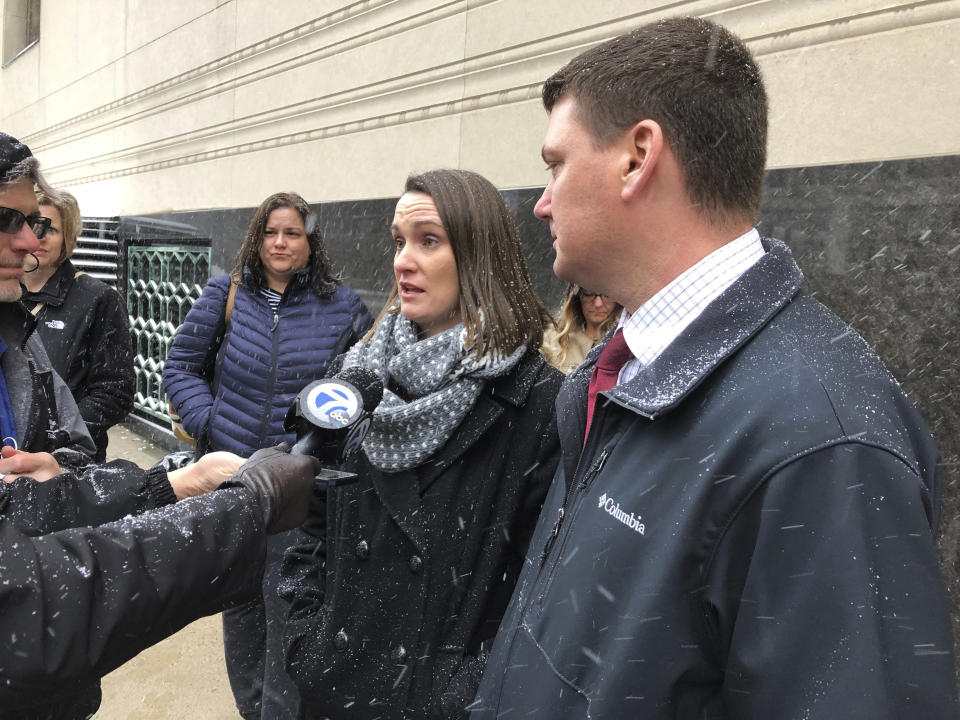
x=612 y=508
x=55 y=324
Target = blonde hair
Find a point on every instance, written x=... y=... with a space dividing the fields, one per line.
x=571 y=319
x=70 y=219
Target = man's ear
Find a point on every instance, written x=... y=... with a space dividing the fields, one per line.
x=643 y=146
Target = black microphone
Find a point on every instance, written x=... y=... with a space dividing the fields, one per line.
x=331 y=417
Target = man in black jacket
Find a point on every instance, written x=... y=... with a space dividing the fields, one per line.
x=743 y=522
x=97 y=566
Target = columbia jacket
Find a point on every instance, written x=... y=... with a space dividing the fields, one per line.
x=86 y=333
x=400 y=580
x=748 y=533
x=267 y=359
x=45 y=414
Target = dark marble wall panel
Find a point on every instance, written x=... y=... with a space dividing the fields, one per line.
x=879 y=243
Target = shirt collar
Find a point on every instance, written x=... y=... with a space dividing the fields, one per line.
x=659 y=321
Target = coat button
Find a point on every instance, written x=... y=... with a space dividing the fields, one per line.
x=363 y=550
x=399 y=654
x=340 y=641
x=415 y=563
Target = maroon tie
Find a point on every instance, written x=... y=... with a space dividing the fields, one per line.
x=613 y=357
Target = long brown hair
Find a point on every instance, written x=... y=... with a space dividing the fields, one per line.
x=498 y=305
x=322 y=278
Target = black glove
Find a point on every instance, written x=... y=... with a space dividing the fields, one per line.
x=282 y=484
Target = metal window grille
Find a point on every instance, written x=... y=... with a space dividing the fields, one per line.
x=160 y=268
x=162 y=284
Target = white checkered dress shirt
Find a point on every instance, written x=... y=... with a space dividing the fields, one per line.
x=659 y=321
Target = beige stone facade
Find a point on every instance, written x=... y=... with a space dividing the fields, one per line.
x=141 y=106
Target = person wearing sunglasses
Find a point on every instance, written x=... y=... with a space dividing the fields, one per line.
x=12 y=222
x=82 y=322
x=584 y=321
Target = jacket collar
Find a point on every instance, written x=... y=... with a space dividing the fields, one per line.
x=55 y=289
x=727 y=324
x=16 y=324
x=401 y=492
x=300 y=279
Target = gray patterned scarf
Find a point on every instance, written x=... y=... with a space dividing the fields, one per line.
x=444 y=378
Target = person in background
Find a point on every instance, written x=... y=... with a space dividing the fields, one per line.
x=585 y=319
x=290 y=318
x=400 y=580
x=743 y=523
x=82 y=323
x=100 y=563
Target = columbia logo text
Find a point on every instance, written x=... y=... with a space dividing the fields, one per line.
x=612 y=508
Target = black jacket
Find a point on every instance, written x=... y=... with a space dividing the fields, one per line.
x=748 y=533
x=402 y=578
x=77 y=603
x=86 y=332
x=45 y=414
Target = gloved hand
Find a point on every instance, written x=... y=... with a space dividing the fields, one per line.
x=282 y=484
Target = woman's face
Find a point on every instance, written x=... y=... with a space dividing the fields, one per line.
x=285 y=248
x=51 y=244
x=424 y=266
x=596 y=309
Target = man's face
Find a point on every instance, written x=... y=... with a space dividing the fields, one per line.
x=15 y=247
x=581 y=200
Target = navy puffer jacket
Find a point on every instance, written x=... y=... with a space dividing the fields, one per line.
x=266 y=359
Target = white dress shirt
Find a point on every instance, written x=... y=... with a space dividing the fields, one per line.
x=660 y=320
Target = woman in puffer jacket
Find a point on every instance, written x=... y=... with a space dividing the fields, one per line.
x=400 y=580
x=233 y=382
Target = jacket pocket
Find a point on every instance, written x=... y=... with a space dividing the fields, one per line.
x=535 y=683
x=456 y=678
x=305 y=643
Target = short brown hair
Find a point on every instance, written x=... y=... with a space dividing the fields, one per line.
x=323 y=280
x=498 y=305
x=70 y=219
x=699 y=82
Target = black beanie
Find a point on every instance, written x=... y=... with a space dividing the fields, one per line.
x=12 y=151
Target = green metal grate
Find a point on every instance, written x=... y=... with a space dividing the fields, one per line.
x=163 y=281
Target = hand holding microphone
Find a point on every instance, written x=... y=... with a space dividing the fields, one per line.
x=331 y=417
x=281 y=483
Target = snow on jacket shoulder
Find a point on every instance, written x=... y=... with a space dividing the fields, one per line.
x=266 y=359
x=747 y=533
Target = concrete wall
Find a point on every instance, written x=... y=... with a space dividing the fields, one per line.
x=140 y=106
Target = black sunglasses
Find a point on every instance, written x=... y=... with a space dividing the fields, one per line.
x=12 y=220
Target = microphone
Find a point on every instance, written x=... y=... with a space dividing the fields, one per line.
x=331 y=417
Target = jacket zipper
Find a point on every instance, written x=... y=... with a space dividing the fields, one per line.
x=572 y=489
x=575 y=490
x=273 y=376
x=32 y=424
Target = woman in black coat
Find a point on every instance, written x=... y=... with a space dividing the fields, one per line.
x=83 y=324
x=401 y=579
